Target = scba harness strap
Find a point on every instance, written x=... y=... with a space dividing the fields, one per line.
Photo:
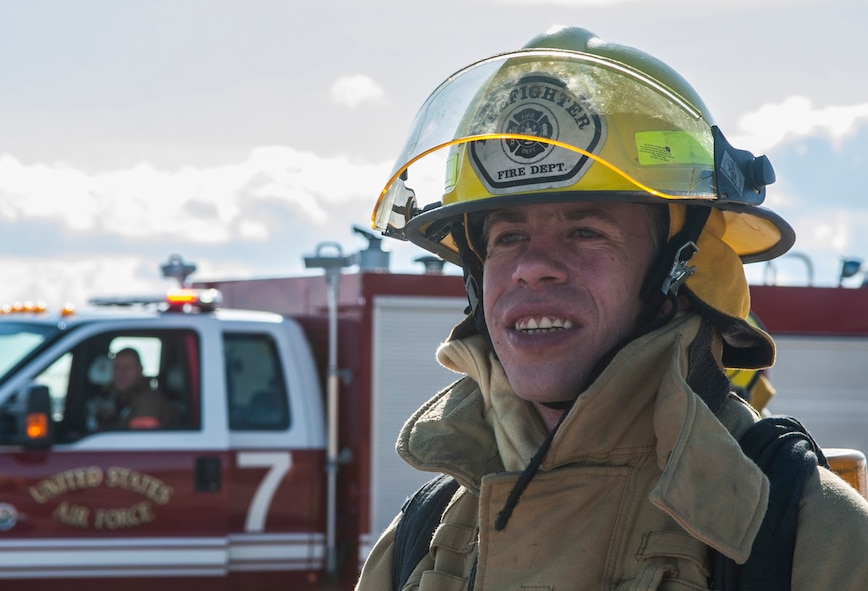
x=780 y=446
x=420 y=516
x=788 y=455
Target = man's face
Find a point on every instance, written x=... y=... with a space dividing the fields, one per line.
x=126 y=372
x=561 y=287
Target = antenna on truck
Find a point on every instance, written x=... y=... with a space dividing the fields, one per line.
x=373 y=258
x=330 y=258
x=176 y=268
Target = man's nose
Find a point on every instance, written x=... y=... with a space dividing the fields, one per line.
x=541 y=262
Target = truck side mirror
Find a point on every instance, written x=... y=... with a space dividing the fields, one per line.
x=26 y=420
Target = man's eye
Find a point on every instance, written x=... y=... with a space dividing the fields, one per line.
x=505 y=238
x=585 y=233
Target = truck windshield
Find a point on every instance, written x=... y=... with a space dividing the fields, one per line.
x=18 y=340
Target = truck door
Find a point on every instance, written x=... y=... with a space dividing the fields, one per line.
x=132 y=494
x=276 y=469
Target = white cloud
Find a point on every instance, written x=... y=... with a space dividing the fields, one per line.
x=833 y=231
x=795 y=118
x=204 y=205
x=61 y=280
x=42 y=191
x=352 y=91
x=105 y=227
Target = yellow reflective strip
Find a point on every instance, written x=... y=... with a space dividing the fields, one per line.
x=671 y=147
x=740 y=377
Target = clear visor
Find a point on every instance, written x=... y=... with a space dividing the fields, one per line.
x=547 y=120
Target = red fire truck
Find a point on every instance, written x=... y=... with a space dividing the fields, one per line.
x=280 y=471
x=821 y=371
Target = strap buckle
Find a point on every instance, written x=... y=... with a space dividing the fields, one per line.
x=680 y=270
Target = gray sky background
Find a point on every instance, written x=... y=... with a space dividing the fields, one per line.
x=241 y=134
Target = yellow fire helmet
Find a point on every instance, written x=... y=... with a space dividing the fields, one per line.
x=571 y=117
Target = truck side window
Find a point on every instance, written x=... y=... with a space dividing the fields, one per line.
x=161 y=393
x=256 y=386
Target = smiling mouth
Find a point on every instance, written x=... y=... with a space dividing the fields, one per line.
x=542 y=325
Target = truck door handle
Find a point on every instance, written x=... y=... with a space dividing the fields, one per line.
x=209 y=474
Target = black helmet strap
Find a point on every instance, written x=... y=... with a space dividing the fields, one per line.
x=670 y=269
x=471 y=265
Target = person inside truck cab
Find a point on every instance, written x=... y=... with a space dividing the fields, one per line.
x=131 y=402
x=602 y=221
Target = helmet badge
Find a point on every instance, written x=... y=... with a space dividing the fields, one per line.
x=542 y=107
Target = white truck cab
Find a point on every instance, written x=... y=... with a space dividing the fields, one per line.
x=229 y=493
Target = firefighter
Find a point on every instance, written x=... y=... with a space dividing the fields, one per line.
x=131 y=402
x=602 y=221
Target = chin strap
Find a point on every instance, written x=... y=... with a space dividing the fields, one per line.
x=472 y=266
x=670 y=269
x=680 y=270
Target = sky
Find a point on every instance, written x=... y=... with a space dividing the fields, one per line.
x=240 y=135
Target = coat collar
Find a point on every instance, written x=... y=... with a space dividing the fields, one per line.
x=641 y=401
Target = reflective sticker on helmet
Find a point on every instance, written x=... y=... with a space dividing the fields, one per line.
x=451 y=170
x=672 y=147
x=540 y=106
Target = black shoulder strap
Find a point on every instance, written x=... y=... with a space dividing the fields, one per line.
x=788 y=455
x=420 y=516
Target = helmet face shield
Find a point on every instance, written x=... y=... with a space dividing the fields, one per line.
x=543 y=120
x=543 y=125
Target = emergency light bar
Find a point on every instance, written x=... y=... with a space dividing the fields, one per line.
x=181 y=297
x=204 y=299
x=175 y=300
x=23 y=308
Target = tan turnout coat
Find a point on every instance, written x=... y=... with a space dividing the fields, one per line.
x=641 y=480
